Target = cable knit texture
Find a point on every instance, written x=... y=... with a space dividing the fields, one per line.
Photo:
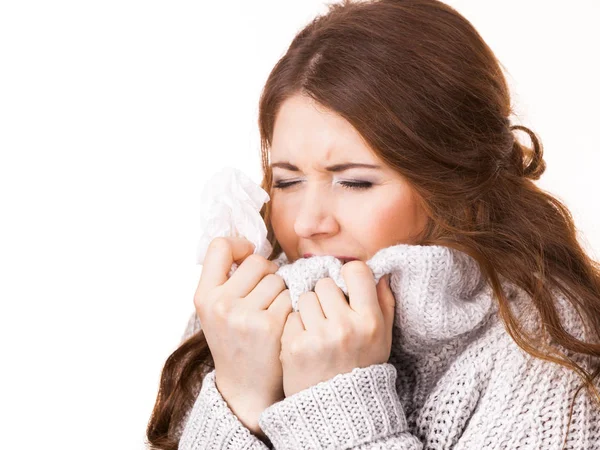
x=454 y=380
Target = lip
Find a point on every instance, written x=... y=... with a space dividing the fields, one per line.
x=343 y=258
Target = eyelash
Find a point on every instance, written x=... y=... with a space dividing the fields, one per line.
x=346 y=184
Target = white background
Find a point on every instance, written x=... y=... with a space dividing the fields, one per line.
x=112 y=116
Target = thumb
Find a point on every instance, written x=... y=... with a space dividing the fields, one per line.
x=387 y=301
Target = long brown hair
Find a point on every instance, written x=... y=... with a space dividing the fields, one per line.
x=429 y=97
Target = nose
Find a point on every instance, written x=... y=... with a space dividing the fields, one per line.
x=314 y=216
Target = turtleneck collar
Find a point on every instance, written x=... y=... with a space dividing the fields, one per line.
x=440 y=292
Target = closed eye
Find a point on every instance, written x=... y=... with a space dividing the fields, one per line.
x=347 y=184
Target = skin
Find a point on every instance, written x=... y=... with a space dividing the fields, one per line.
x=240 y=315
x=329 y=335
x=318 y=214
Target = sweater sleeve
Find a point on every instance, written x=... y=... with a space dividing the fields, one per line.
x=523 y=404
x=359 y=409
x=211 y=424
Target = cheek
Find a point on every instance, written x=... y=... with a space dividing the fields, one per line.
x=395 y=219
x=282 y=219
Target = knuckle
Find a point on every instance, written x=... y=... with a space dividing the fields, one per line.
x=238 y=321
x=296 y=348
x=219 y=245
x=220 y=310
x=275 y=280
x=259 y=262
x=264 y=327
x=199 y=306
x=255 y=259
x=202 y=301
x=322 y=282
x=285 y=296
x=355 y=267
x=198 y=300
x=340 y=334
x=370 y=329
x=319 y=345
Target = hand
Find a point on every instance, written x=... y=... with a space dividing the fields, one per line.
x=329 y=335
x=243 y=319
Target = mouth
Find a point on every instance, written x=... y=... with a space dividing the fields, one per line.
x=343 y=259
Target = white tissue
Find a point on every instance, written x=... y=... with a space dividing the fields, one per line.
x=230 y=207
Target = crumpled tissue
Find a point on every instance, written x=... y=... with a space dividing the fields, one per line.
x=230 y=207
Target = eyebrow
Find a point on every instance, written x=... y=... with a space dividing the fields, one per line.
x=334 y=168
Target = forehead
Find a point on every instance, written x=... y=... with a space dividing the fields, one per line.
x=307 y=131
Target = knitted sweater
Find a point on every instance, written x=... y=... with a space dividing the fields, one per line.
x=455 y=379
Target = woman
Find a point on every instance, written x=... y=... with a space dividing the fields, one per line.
x=488 y=335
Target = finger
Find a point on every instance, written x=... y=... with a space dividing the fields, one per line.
x=222 y=252
x=248 y=275
x=387 y=302
x=282 y=305
x=265 y=292
x=362 y=292
x=293 y=327
x=332 y=299
x=310 y=310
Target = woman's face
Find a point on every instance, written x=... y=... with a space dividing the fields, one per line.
x=321 y=207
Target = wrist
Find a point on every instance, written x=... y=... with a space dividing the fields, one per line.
x=249 y=416
x=248 y=410
x=247 y=407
